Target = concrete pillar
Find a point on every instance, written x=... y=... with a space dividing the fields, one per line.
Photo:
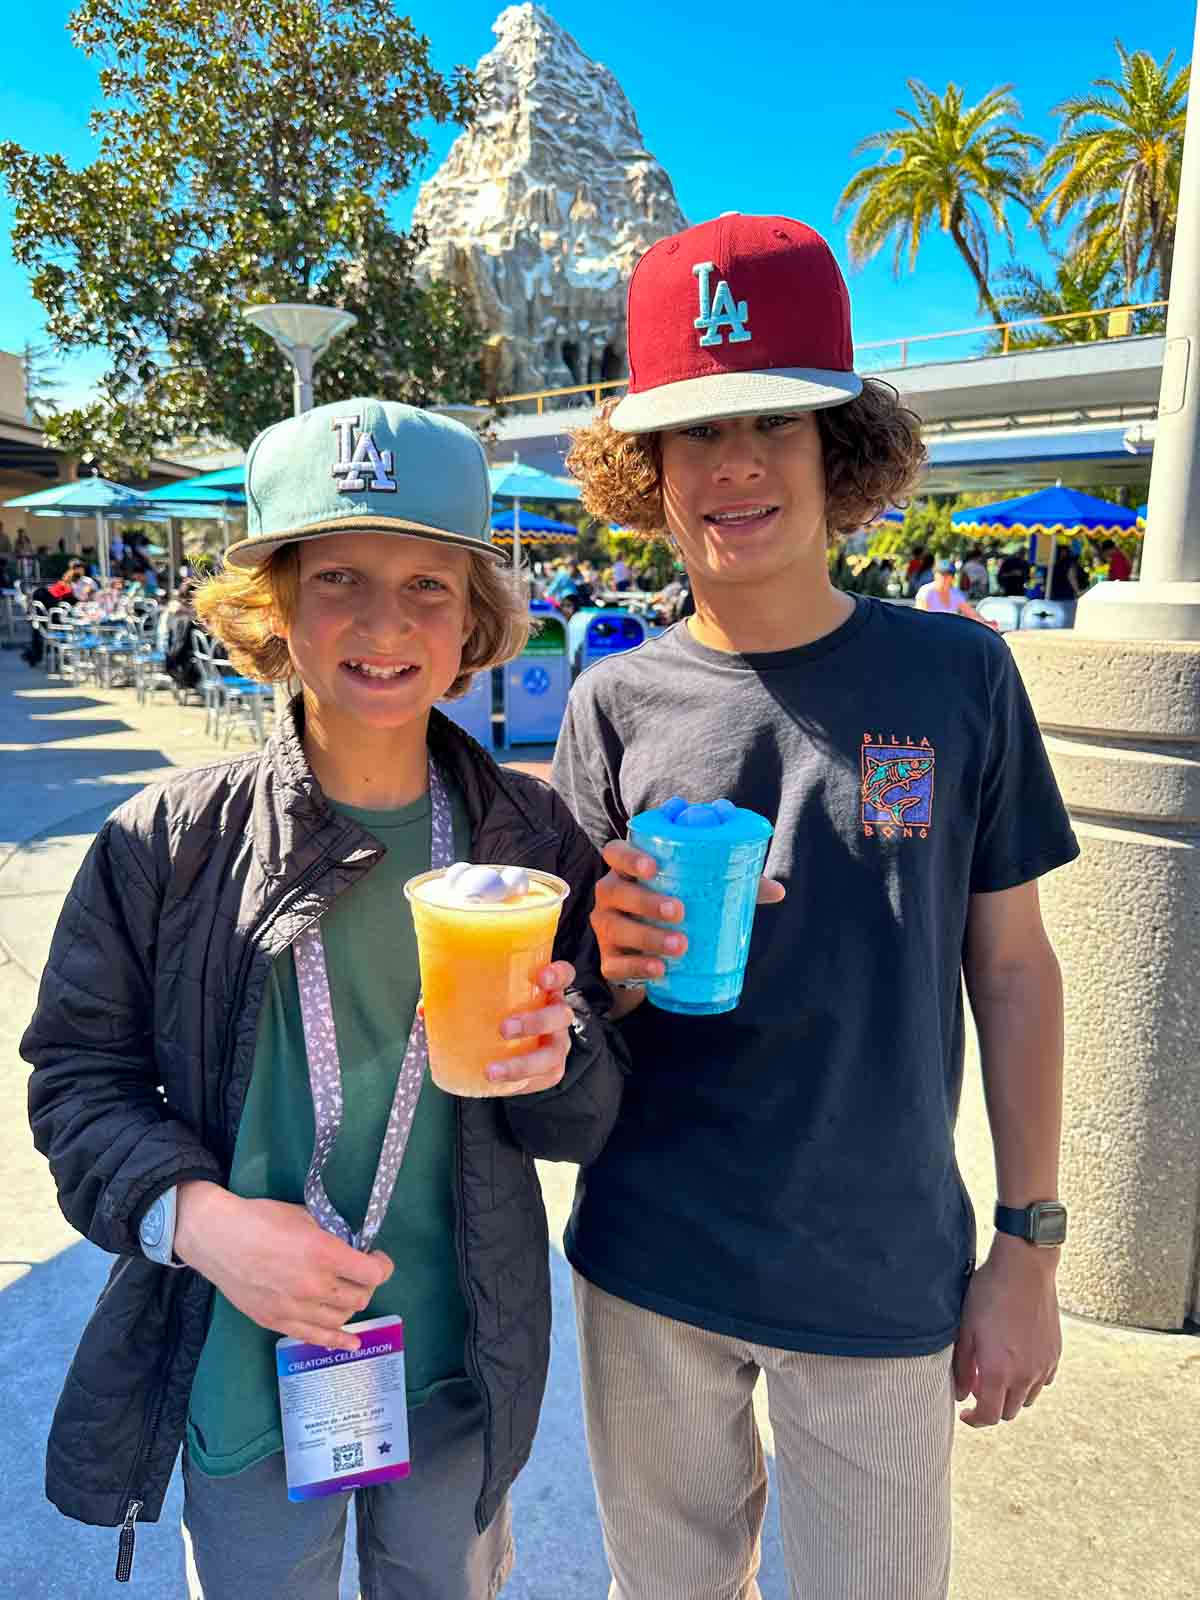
x=1119 y=703
x=1122 y=725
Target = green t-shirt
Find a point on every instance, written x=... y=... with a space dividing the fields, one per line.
x=374 y=982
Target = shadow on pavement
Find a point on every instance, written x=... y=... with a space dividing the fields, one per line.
x=36 y=732
x=46 y=705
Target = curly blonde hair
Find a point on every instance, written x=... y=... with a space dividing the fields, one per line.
x=871 y=447
x=242 y=606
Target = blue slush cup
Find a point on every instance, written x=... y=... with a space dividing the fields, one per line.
x=710 y=857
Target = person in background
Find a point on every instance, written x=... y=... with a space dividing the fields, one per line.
x=1068 y=580
x=1013 y=574
x=1120 y=568
x=918 y=563
x=973 y=579
x=178 y=644
x=942 y=594
x=621 y=575
x=921 y=575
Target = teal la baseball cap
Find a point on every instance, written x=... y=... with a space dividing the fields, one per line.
x=365 y=466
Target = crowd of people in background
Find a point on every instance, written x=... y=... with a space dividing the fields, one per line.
x=976 y=574
x=570 y=585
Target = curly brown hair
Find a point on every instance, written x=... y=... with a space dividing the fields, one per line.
x=871 y=446
x=242 y=606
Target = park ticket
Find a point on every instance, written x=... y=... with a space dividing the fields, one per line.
x=344 y=1412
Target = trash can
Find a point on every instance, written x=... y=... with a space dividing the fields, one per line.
x=593 y=635
x=1048 y=614
x=474 y=711
x=1004 y=610
x=536 y=684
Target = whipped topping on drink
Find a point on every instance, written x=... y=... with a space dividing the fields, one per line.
x=477 y=888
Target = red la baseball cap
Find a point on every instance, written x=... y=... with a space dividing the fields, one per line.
x=734 y=317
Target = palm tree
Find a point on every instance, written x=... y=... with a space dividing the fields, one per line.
x=945 y=163
x=1080 y=283
x=1119 y=155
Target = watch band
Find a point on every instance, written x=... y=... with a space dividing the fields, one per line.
x=1044 y=1223
x=156 y=1232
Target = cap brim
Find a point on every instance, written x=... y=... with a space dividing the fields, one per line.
x=252 y=552
x=733 y=394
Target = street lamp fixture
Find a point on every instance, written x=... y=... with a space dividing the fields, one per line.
x=303 y=332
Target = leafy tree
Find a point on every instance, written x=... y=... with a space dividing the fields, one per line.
x=1119 y=156
x=41 y=381
x=247 y=153
x=949 y=165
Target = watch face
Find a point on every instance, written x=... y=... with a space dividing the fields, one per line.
x=1049 y=1223
x=153 y=1224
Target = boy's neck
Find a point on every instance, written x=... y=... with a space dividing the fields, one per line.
x=779 y=615
x=374 y=769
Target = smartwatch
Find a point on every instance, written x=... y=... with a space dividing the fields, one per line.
x=156 y=1232
x=1044 y=1223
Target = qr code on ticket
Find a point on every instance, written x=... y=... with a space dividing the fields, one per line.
x=346 y=1456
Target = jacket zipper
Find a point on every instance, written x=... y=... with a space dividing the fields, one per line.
x=125 y=1543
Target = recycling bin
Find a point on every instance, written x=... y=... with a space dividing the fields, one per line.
x=1004 y=610
x=594 y=635
x=536 y=684
x=474 y=711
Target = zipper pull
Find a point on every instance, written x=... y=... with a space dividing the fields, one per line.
x=125 y=1542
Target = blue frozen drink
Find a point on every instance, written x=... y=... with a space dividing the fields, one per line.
x=710 y=857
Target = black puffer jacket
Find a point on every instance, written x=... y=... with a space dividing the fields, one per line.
x=142 y=1047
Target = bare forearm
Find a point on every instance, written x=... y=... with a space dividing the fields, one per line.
x=1019 y=1017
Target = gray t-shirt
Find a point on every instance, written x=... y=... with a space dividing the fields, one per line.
x=785 y=1173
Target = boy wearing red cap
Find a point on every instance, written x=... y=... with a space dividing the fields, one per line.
x=780 y=1194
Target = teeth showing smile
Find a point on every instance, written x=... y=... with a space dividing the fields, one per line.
x=750 y=514
x=369 y=671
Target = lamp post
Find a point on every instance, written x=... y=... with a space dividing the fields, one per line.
x=303 y=332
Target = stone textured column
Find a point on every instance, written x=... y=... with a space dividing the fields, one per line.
x=1122 y=726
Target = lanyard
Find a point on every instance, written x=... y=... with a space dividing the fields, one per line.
x=324 y=1068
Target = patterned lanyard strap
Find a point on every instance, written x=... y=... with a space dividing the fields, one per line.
x=324 y=1068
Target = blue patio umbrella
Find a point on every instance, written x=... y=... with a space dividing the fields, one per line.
x=1062 y=513
x=88 y=497
x=511 y=480
x=1068 y=512
x=209 y=494
x=532 y=524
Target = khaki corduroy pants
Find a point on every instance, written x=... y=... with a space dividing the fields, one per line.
x=862 y=1460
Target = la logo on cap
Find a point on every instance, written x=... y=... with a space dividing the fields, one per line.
x=360 y=459
x=722 y=311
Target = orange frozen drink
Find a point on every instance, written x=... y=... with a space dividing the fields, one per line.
x=483 y=935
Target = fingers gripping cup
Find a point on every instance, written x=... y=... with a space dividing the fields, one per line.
x=710 y=857
x=483 y=935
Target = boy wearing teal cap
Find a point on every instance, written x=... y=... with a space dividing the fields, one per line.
x=228 y=1066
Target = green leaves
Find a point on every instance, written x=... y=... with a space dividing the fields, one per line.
x=247 y=153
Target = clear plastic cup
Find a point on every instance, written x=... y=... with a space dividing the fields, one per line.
x=710 y=857
x=479 y=962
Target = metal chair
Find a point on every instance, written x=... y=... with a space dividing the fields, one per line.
x=229 y=698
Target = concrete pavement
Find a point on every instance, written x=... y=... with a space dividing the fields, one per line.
x=1094 y=1492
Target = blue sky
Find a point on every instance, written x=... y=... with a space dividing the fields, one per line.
x=749 y=109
